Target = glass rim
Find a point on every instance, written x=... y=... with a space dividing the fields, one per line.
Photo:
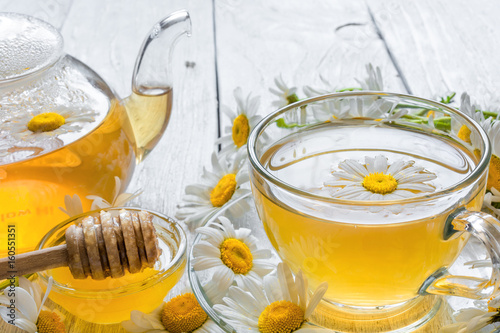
x=264 y=122
x=130 y=288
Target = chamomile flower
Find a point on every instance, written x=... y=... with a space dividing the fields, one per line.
x=327 y=109
x=220 y=187
x=30 y=314
x=119 y=200
x=490 y=199
x=474 y=320
x=278 y=304
x=285 y=94
x=374 y=80
x=178 y=314
x=242 y=122
x=461 y=130
x=73 y=205
x=36 y=125
x=233 y=253
x=371 y=107
x=377 y=180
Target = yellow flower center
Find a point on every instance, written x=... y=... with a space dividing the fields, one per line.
x=241 y=130
x=494 y=173
x=236 y=255
x=464 y=134
x=224 y=190
x=182 y=314
x=49 y=322
x=380 y=183
x=46 y=122
x=281 y=317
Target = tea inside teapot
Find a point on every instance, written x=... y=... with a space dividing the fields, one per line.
x=62 y=129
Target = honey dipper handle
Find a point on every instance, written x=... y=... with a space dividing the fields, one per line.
x=32 y=262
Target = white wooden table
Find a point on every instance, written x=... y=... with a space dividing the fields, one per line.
x=425 y=48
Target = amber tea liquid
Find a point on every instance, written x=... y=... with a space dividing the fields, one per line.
x=370 y=256
x=32 y=189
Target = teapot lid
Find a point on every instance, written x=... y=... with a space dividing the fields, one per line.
x=27 y=45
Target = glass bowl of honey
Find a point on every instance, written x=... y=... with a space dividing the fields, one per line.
x=111 y=300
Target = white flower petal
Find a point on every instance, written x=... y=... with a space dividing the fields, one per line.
x=380 y=164
x=203 y=263
x=206 y=250
x=316 y=298
x=26 y=304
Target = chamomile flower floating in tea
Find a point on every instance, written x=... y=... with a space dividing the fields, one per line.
x=285 y=94
x=242 y=122
x=474 y=320
x=233 y=253
x=377 y=180
x=36 y=125
x=220 y=187
x=178 y=314
x=278 y=304
x=30 y=314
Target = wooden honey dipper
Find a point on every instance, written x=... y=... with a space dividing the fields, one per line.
x=98 y=247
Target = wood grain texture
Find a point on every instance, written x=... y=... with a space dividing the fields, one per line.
x=258 y=40
x=444 y=45
x=36 y=261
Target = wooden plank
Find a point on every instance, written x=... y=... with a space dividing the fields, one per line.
x=107 y=36
x=444 y=45
x=258 y=40
x=53 y=11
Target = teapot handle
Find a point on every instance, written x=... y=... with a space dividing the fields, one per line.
x=152 y=69
x=486 y=228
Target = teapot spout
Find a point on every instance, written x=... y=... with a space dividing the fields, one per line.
x=148 y=107
x=152 y=68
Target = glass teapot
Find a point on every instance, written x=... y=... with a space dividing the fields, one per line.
x=63 y=131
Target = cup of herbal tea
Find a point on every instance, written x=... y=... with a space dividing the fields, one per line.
x=376 y=194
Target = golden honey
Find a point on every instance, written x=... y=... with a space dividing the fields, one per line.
x=101 y=305
x=111 y=300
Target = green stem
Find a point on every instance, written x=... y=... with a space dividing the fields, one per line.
x=348 y=89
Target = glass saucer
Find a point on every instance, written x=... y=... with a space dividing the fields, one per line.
x=439 y=310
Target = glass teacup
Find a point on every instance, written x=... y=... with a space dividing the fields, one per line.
x=375 y=193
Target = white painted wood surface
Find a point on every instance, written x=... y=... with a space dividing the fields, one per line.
x=436 y=45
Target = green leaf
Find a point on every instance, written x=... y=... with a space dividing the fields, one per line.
x=448 y=99
x=348 y=89
x=489 y=114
